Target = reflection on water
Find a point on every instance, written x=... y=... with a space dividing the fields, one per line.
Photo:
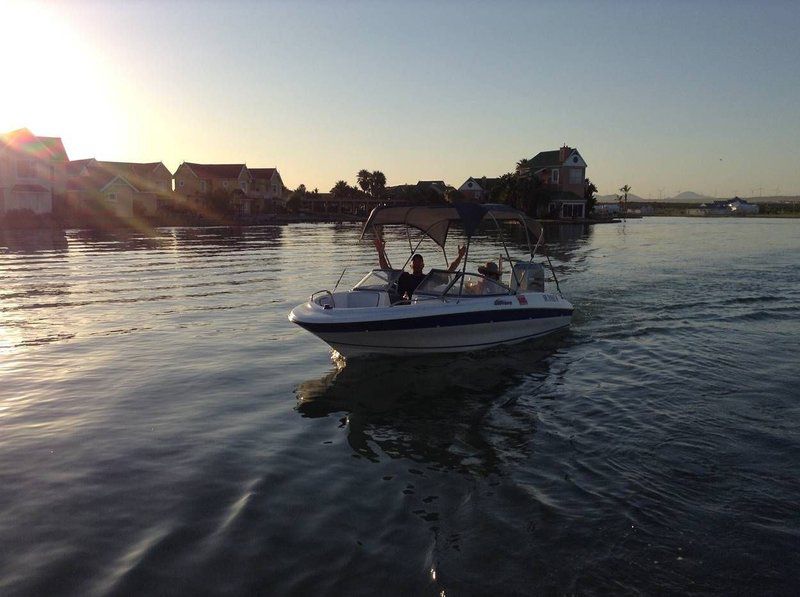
x=220 y=238
x=431 y=409
x=32 y=241
x=165 y=429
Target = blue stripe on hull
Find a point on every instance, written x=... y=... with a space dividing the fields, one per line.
x=432 y=321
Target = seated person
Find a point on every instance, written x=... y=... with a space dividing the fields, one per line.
x=407 y=283
x=491 y=272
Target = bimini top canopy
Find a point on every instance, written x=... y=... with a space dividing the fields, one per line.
x=435 y=220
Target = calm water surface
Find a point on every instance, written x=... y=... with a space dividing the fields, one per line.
x=165 y=430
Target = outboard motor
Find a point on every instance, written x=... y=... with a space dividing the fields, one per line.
x=527 y=277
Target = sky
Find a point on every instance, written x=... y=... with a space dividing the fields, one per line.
x=666 y=97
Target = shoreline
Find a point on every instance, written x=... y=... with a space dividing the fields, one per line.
x=339 y=219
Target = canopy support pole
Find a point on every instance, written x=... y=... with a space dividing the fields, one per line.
x=463 y=271
x=505 y=248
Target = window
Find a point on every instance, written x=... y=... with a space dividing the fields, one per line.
x=378 y=279
x=476 y=285
x=439 y=282
x=224 y=184
x=575 y=176
x=554 y=176
x=26 y=169
x=112 y=197
x=243 y=185
x=202 y=186
x=572 y=210
x=180 y=183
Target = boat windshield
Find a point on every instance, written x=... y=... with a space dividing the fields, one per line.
x=379 y=279
x=444 y=283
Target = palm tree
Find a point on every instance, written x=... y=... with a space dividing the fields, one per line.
x=364 y=178
x=589 y=190
x=341 y=190
x=377 y=185
x=625 y=189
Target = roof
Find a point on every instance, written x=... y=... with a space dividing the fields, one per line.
x=56 y=148
x=95 y=179
x=484 y=181
x=543 y=159
x=75 y=166
x=262 y=172
x=29 y=188
x=121 y=179
x=208 y=171
x=138 y=168
x=100 y=174
x=43 y=148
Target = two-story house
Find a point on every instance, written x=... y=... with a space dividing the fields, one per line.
x=32 y=171
x=124 y=188
x=197 y=182
x=562 y=173
x=266 y=189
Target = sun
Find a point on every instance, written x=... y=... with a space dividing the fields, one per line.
x=53 y=81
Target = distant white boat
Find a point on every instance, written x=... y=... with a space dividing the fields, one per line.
x=450 y=311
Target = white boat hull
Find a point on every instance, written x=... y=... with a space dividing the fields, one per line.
x=436 y=326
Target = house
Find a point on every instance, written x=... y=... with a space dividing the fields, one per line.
x=122 y=188
x=198 y=182
x=433 y=186
x=96 y=193
x=608 y=208
x=562 y=173
x=424 y=192
x=32 y=171
x=266 y=189
x=478 y=188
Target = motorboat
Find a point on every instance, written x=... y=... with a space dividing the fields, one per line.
x=449 y=311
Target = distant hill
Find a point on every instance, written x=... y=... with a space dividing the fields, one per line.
x=692 y=197
x=688 y=196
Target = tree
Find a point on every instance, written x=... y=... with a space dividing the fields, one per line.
x=220 y=202
x=295 y=200
x=372 y=183
x=342 y=190
x=364 y=178
x=589 y=190
x=625 y=189
x=294 y=203
x=378 y=184
x=454 y=196
x=519 y=191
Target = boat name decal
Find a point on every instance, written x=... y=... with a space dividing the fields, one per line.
x=502 y=302
x=550 y=298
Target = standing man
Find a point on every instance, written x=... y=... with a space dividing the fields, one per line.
x=407 y=283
